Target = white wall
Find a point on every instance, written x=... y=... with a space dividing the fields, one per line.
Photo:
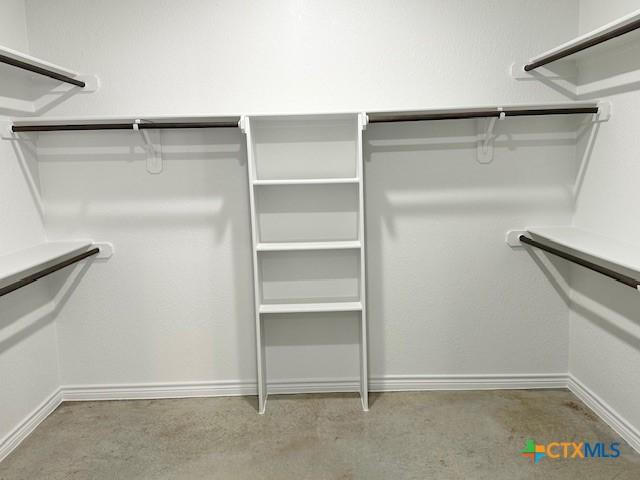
x=447 y=296
x=605 y=322
x=296 y=55
x=174 y=304
x=28 y=345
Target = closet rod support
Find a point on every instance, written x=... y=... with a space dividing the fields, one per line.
x=41 y=71
x=29 y=279
x=619 y=277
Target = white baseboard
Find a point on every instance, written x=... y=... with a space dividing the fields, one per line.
x=603 y=410
x=140 y=391
x=388 y=383
x=29 y=424
x=399 y=383
x=313 y=385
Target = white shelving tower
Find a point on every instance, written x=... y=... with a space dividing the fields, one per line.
x=307 y=220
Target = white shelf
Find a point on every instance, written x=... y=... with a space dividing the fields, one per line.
x=14 y=266
x=295 y=246
x=311 y=307
x=620 y=22
x=308 y=238
x=58 y=81
x=23 y=57
x=613 y=251
x=306 y=181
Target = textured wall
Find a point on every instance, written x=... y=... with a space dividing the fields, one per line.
x=296 y=55
x=28 y=345
x=605 y=321
x=446 y=295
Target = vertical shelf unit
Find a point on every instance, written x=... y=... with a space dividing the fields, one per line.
x=307 y=219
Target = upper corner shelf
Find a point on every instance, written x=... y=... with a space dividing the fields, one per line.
x=41 y=67
x=612 y=30
x=592 y=244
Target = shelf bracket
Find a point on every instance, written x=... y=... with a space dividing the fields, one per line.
x=242 y=124
x=363 y=121
x=5 y=130
x=517 y=72
x=484 y=149
x=153 y=148
x=106 y=249
x=512 y=238
x=604 y=112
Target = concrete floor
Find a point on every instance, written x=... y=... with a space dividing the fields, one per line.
x=422 y=435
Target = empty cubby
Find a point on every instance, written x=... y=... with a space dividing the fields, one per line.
x=305 y=148
x=307 y=213
x=310 y=276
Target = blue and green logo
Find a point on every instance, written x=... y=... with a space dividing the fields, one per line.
x=569 y=450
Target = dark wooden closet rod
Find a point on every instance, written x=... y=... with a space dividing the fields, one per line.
x=619 y=277
x=384 y=117
x=23 y=282
x=374 y=117
x=41 y=71
x=123 y=126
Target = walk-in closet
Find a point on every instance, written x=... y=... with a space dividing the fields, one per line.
x=300 y=239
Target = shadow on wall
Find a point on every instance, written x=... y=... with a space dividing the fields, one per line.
x=604 y=73
x=559 y=76
x=25 y=153
x=183 y=252
x=23 y=93
x=612 y=306
x=28 y=309
x=556 y=270
x=436 y=161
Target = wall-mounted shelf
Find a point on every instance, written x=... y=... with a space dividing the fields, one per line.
x=604 y=255
x=24 y=262
x=41 y=67
x=581 y=66
x=598 y=246
x=610 y=31
x=23 y=267
x=45 y=82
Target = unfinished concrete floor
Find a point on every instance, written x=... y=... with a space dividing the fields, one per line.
x=422 y=435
